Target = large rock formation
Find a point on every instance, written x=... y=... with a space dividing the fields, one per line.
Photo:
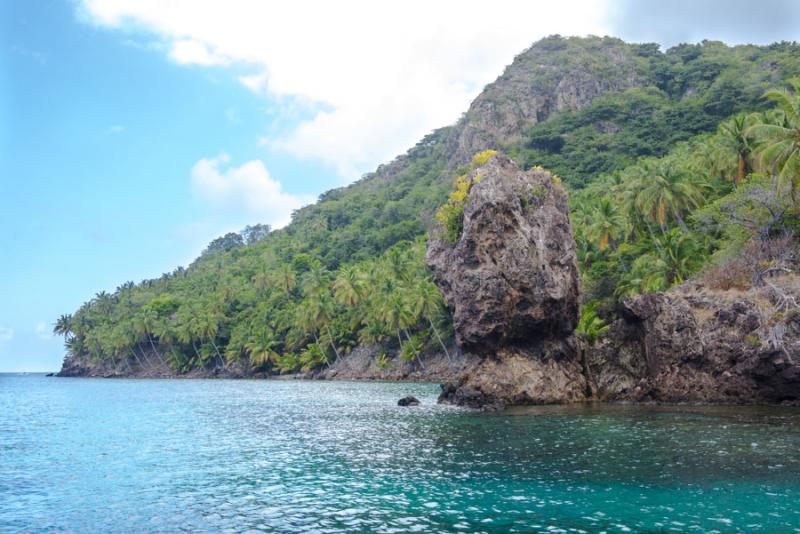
x=511 y=279
x=697 y=345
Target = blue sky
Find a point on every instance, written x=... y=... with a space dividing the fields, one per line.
x=132 y=132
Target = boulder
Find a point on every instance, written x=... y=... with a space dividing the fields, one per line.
x=512 y=275
x=408 y=401
x=511 y=280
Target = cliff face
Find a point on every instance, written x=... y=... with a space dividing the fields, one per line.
x=511 y=280
x=512 y=275
x=697 y=345
x=554 y=74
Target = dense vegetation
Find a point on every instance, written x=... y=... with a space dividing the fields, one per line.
x=666 y=179
x=691 y=89
x=661 y=220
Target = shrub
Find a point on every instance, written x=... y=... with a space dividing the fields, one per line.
x=451 y=214
x=731 y=274
x=383 y=361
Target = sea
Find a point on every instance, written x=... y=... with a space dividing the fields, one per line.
x=126 y=455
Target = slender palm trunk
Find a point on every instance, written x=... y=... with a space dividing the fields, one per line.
x=150 y=339
x=741 y=170
x=333 y=345
x=400 y=340
x=144 y=356
x=436 y=333
x=197 y=352
x=221 y=359
x=136 y=357
x=681 y=223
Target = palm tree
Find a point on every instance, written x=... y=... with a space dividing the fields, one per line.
x=590 y=325
x=207 y=327
x=261 y=280
x=325 y=314
x=373 y=331
x=185 y=330
x=128 y=339
x=144 y=322
x=679 y=257
x=396 y=315
x=778 y=142
x=316 y=280
x=348 y=286
x=667 y=191
x=607 y=224
x=261 y=346
x=426 y=301
x=397 y=264
x=313 y=356
x=731 y=149
x=63 y=326
x=285 y=278
x=314 y=315
x=645 y=275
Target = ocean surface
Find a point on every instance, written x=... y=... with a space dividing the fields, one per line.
x=95 y=455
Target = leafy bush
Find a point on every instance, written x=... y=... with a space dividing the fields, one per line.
x=451 y=214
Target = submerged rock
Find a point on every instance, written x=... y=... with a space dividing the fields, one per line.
x=408 y=401
x=511 y=279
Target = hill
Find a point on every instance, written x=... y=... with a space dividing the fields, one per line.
x=349 y=269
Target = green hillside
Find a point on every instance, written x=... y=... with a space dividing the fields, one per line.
x=633 y=132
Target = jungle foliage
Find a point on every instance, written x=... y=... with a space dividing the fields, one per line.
x=665 y=179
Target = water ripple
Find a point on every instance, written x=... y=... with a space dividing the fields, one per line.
x=264 y=456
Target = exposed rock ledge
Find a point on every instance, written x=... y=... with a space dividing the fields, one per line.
x=512 y=283
x=696 y=345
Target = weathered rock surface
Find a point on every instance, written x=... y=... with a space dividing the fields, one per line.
x=511 y=280
x=546 y=372
x=362 y=364
x=696 y=345
x=147 y=365
x=512 y=276
x=554 y=74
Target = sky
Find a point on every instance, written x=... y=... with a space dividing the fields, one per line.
x=133 y=132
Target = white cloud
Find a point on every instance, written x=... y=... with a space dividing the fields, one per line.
x=192 y=52
x=247 y=188
x=379 y=75
x=6 y=334
x=116 y=129
x=43 y=332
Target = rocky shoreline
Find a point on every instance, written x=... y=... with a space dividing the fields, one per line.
x=512 y=282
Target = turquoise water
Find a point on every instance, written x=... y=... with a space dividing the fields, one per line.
x=94 y=455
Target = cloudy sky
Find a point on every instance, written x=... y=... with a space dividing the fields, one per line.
x=132 y=132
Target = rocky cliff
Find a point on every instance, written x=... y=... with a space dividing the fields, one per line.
x=511 y=280
x=555 y=74
x=693 y=344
